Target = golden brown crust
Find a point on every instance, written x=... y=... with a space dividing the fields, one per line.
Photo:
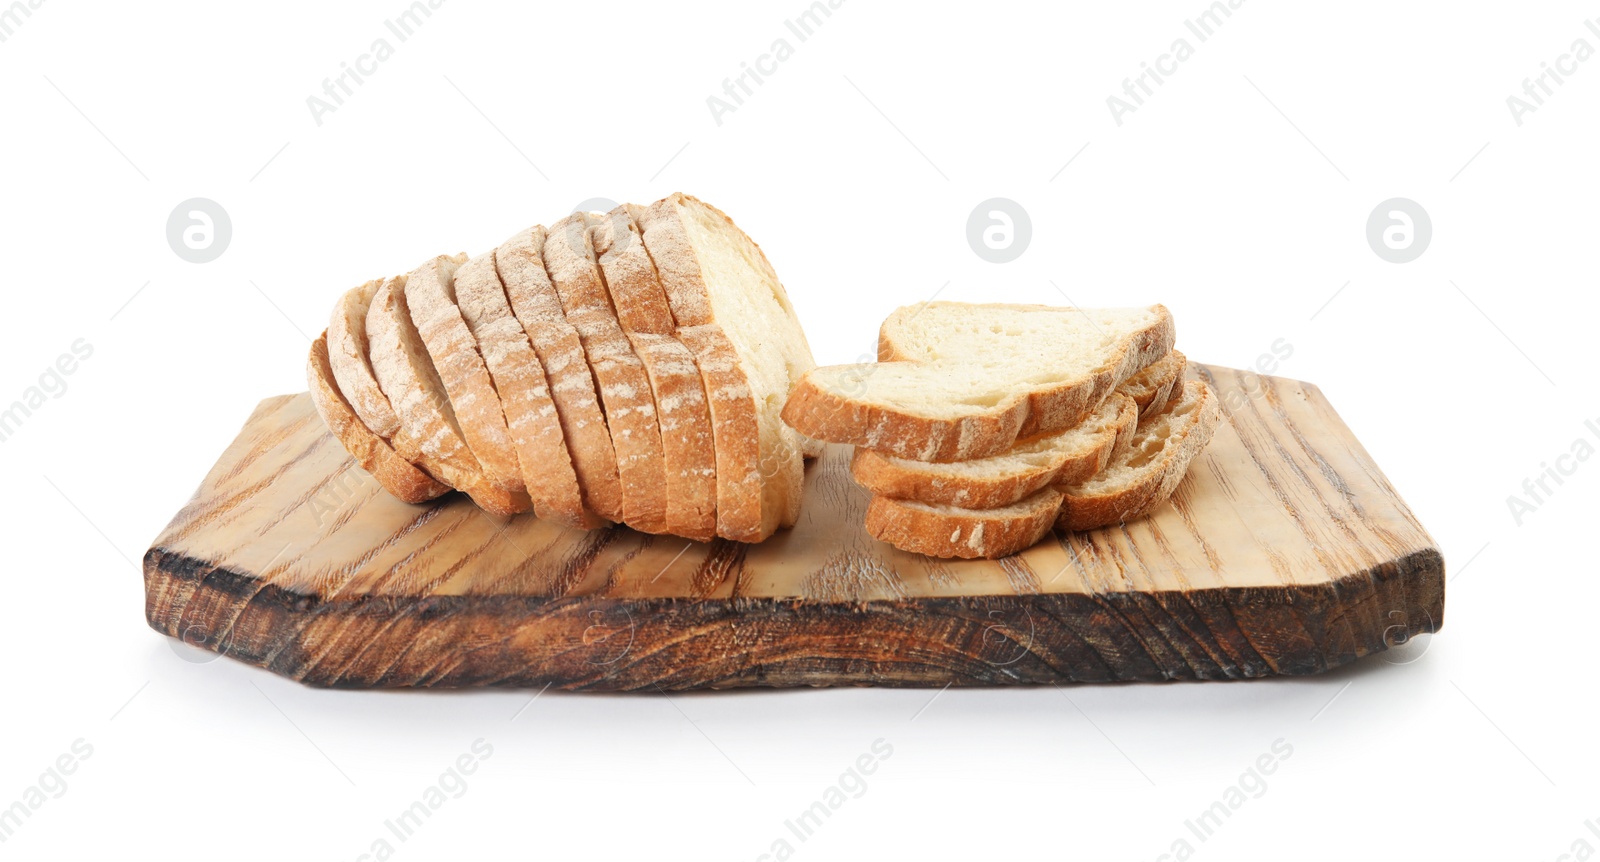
x=896 y=478
x=963 y=533
x=1085 y=510
x=687 y=439
x=822 y=412
x=536 y=305
x=374 y=454
x=519 y=381
x=625 y=391
x=1153 y=385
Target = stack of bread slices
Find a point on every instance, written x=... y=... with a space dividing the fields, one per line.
x=982 y=427
x=625 y=367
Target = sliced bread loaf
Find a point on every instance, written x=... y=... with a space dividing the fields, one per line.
x=431 y=298
x=537 y=306
x=625 y=391
x=428 y=435
x=964 y=381
x=1151 y=387
x=681 y=408
x=524 y=393
x=351 y=363
x=372 y=452
x=734 y=315
x=952 y=531
x=1069 y=456
x=1143 y=475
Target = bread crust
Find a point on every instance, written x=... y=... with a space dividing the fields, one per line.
x=902 y=479
x=625 y=392
x=370 y=451
x=519 y=380
x=431 y=299
x=536 y=305
x=758 y=486
x=427 y=435
x=687 y=438
x=819 y=411
x=1085 y=510
x=1153 y=385
x=349 y=357
x=962 y=533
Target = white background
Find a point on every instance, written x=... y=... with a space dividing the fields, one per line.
x=1237 y=195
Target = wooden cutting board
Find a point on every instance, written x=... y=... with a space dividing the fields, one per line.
x=1284 y=551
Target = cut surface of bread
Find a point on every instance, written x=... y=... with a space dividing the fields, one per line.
x=1069 y=456
x=625 y=392
x=428 y=435
x=431 y=298
x=1151 y=387
x=372 y=452
x=537 y=307
x=524 y=393
x=1143 y=475
x=734 y=314
x=963 y=381
x=680 y=397
x=950 y=531
x=349 y=358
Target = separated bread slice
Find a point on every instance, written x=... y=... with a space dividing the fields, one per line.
x=625 y=391
x=734 y=314
x=1144 y=474
x=431 y=298
x=1151 y=387
x=537 y=306
x=681 y=408
x=524 y=393
x=951 y=531
x=350 y=360
x=964 y=381
x=428 y=435
x=372 y=452
x=1068 y=457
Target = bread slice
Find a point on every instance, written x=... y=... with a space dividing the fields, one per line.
x=625 y=391
x=1069 y=456
x=951 y=531
x=524 y=395
x=681 y=408
x=1151 y=387
x=371 y=451
x=964 y=381
x=349 y=358
x=537 y=306
x=1142 y=476
x=431 y=298
x=734 y=315
x=428 y=435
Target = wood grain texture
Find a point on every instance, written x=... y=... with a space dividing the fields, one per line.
x=1284 y=551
